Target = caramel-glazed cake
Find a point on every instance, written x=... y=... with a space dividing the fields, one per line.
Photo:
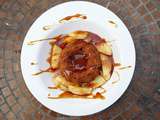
x=84 y=60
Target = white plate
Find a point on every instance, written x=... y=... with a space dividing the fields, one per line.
x=97 y=22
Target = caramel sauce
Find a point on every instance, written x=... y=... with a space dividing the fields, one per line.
x=67 y=94
x=58 y=37
x=113 y=23
x=73 y=16
x=116 y=64
x=47 y=27
x=46 y=70
x=53 y=40
x=98 y=96
x=33 y=63
x=125 y=67
x=55 y=87
x=36 y=41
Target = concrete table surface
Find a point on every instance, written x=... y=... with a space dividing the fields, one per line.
x=141 y=101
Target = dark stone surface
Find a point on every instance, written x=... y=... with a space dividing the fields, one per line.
x=141 y=101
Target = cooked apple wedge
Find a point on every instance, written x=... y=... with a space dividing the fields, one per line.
x=106 y=66
x=104 y=48
x=56 y=51
x=63 y=87
x=57 y=80
x=61 y=82
x=98 y=81
x=79 y=90
x=68 y=39
x=79 y=34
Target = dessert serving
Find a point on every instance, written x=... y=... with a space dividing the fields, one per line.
x=83 y=60
x=76 y=62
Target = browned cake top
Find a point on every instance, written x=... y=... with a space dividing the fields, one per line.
x=80 y=62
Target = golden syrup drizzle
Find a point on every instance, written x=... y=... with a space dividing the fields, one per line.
x=67 y=94
x=125 y=67
x=46 y=70
x=116 y=64
x=73 y=16
x=112 y=23
x=55 y=87
x=36 y=41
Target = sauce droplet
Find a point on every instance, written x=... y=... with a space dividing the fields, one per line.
x=112 y=23
x=98 y=96
x=47 y=27
x=33 y=63
x=67 y=94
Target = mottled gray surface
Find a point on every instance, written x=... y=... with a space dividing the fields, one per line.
x=141 y=101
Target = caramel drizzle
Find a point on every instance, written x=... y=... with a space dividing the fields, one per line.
x=45 y=70
x=35 y=41
x=112 y=22
x=116 y=64
x=55 y=87
x=125 y=67
x=73 y=16
x=67 y=94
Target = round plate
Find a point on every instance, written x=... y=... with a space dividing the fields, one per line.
x=100 y=21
